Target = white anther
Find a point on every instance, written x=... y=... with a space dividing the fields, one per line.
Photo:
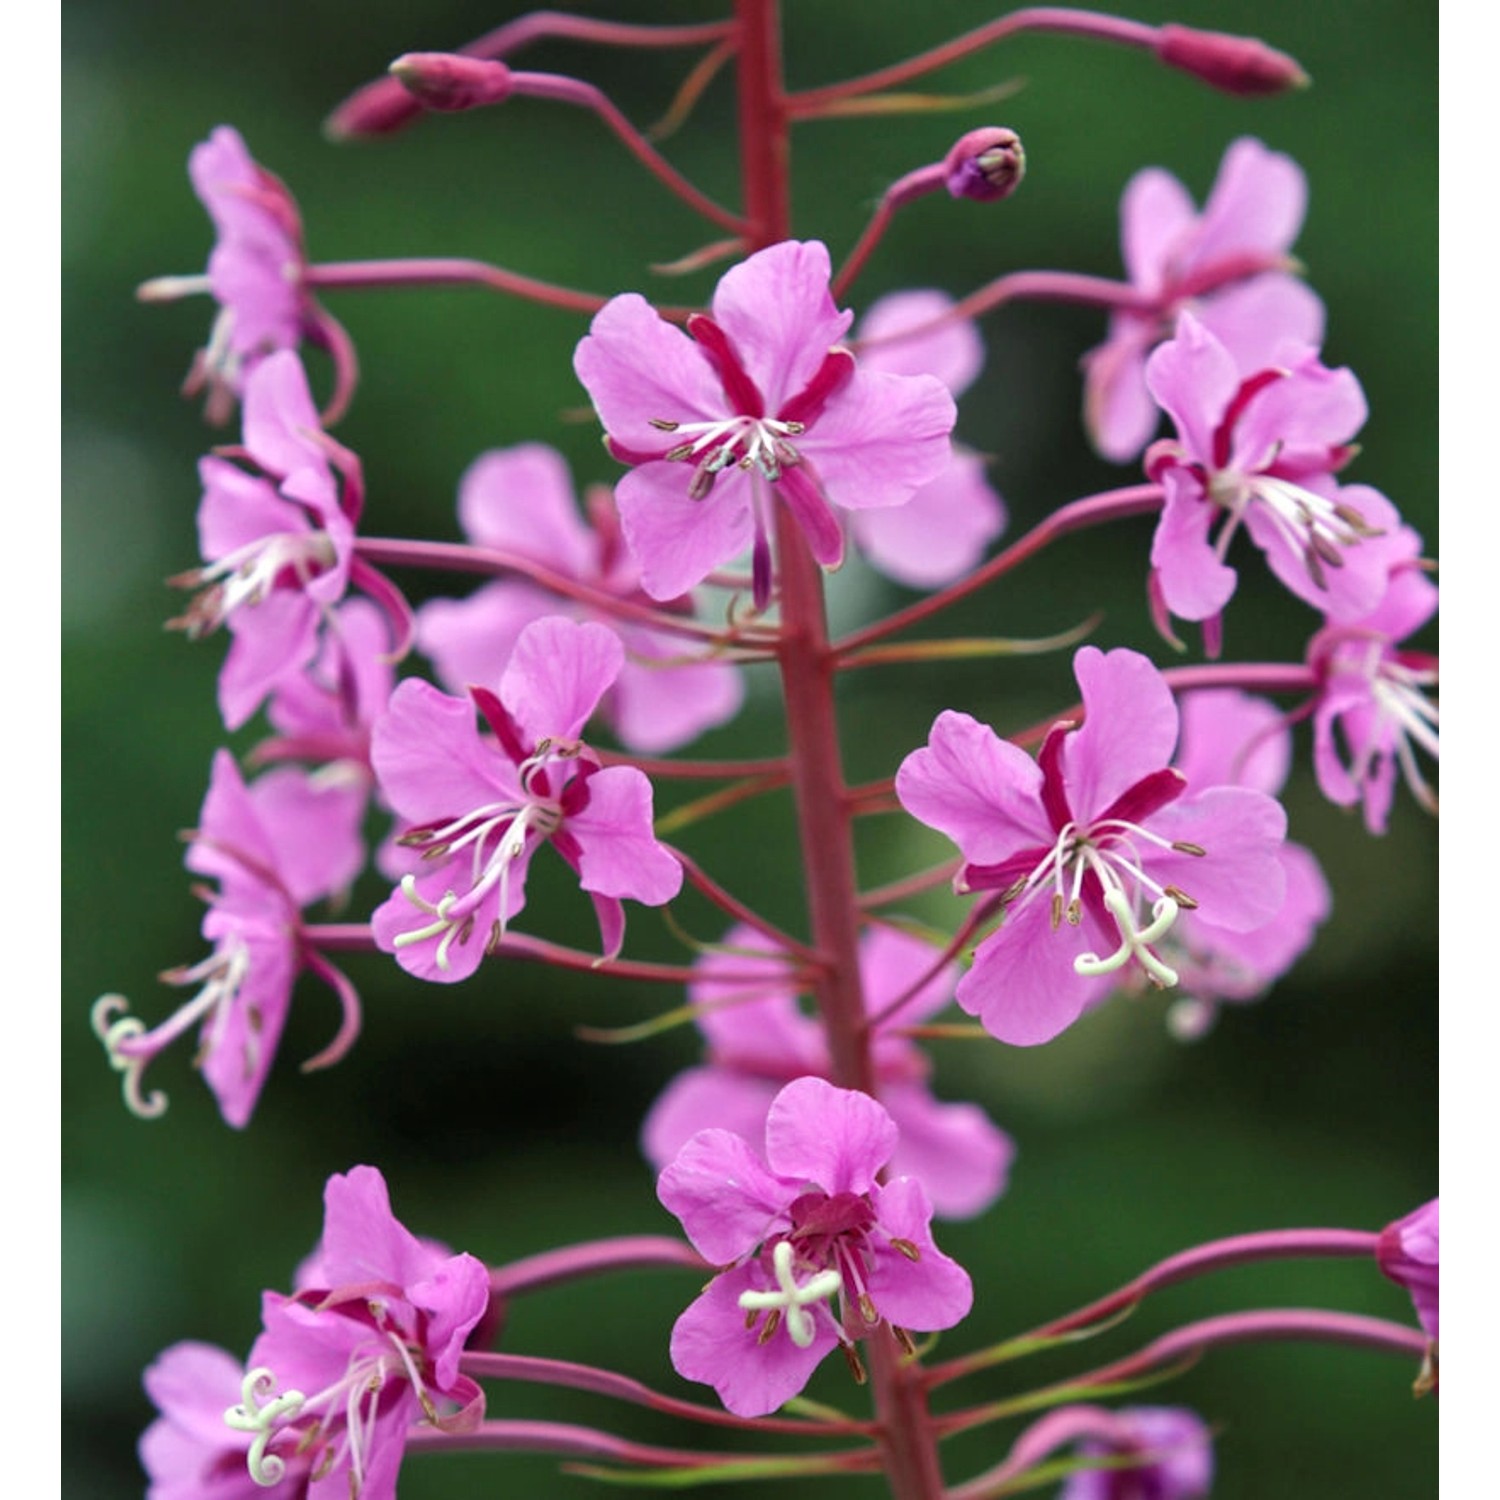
x=790 y=1299
x=254 y=1415
x=1134 y=942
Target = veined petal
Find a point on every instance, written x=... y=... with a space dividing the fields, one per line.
x=837 y=1138
x=658 y=708
x=955 y=1151
x=430 y=759
x=1129 y=728
x=314 y=827
x=1255 y=319
x=881 y=438
x=724 y=1195
x=711 y=1344
x=557 y=673
x=1194 y=584
x=678 y=542
x=470 y=640
x=363 y=1241
x=925 y=1294
x=639 y=369
x=1231 y=738
x=281 y=421
x=618 y=852
x=273 y=640
x=1023 y=987
x=969 y=784
x=780 y=316
x=1257 y=204
x=1193 y=378
x=1239 y=883
x=710 y=1098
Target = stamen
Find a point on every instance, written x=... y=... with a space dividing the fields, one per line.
x=1134 y=942
x=790 y=1299
x=251 y=1415
x=909 y=1250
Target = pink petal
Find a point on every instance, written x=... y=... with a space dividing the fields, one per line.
x=711 y=1344
x=618 y=852
x=955 y=1151
x=890 y=962
x=940 y=533
x=726 y=1199
x=881 y=438
x=557 y=673
x=1157 y=217
x=953 y=352
x=280 y=419
x=711 y=1098
x=926 y=1294
x=1255 y=319
x=1257 y=205
x=639 y=369
x=982 y=792
x=1129 y=727
x=1194 y=584
x=780 y=317
x=1119 y=412
x=1023 y=987
x=362 y=1239
x=658 y=708
x=273 y=640
x=314 y=827
x=521 y=499
x=470 y=640
x=1232 y=738
x=678 y=542
x=429 y=757
x=837 y=1138
x=1194 y=378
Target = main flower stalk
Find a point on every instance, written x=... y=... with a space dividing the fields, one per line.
x=824 y=818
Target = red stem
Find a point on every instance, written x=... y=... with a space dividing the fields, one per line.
x=1135 y=500
x=908 y=1447
x=1040 y=18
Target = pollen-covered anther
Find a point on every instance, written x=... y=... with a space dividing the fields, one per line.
x=1134 y=942
x=906 y=1248
x=855 y=1363
x=1181 y=897
x=1183 y=847
x=790 y=1301
x=259 y=1415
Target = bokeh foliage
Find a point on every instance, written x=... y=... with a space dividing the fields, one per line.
x=499 y=1131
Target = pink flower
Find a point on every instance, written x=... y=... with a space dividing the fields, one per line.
x=278 y=544
x=943 y=530
x=1230 y=738
x=1258 y=448
x=1229 y=265
x=759 y=403
x=257 y=275
x=758 y=1040
x=1080 y=841
x=274 y=848
x=1373 y=712
x=479 y=807
x=808 y=1224
x=344 y=1370
x=1408 y=1253
x=1175 y=1452
x=521 y=500
x=188 y=1452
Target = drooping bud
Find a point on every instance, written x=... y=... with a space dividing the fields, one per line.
x=986 y=164
x=1407 y=1252
x=449 y=81
x=1236 y=64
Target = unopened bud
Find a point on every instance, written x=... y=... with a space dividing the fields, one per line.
x=1236 y=64
x=451 y=81
x=985 y=164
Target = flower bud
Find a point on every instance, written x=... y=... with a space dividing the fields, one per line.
x=450 y=81
x=986 y=164
x=1408 y=1253
x=1236 y=64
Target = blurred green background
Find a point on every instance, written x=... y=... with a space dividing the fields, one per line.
x=497 y=1129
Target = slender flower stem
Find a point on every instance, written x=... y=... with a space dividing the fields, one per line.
x=629 y=1252
x=347 y=937
x=811 y=102
x=914 y=185
x=385 y=105
x=1265 y=1325
x=558 y=1372
x=698 y=770
x=1200 y=1260
x=910 y=885
x=458 y=557
x=573 y=91
x=707 y=886
x=977 y=917
x=1095 y=510
x=590 y=1442
x=371 y=275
